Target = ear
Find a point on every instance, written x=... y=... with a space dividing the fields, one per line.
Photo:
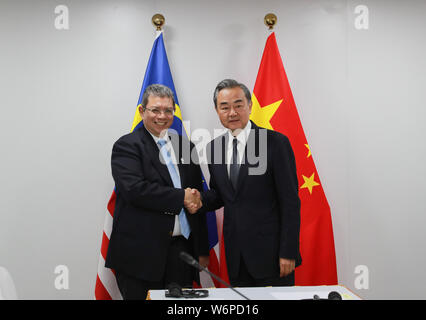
x=140 y=111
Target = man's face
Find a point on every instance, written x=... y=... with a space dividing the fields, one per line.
x=158 y=114
x=233 y=108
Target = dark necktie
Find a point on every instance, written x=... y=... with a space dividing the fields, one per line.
x=234 y=167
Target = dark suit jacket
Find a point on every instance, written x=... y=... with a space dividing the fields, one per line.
x=147 y=203
x=262 y=216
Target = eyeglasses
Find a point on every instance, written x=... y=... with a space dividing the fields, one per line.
x=157 y=112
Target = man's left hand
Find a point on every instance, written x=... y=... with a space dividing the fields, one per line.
x=204 y=261
x=287 y=266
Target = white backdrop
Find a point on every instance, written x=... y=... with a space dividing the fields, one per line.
x=67 y=95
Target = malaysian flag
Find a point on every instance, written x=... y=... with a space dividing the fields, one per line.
x=158 y=71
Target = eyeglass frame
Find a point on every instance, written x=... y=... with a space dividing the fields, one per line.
x=157 y=112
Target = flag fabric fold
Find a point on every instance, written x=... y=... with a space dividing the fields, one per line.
x=274 y=108
x=157 y=72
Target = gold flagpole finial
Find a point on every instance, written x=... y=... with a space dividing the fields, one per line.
x=270 y=20
x=158 y=21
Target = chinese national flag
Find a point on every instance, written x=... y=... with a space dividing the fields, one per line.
x=274 y=108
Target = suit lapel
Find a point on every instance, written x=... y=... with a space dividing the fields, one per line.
x=154 y=154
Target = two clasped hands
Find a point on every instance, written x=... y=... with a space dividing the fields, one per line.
x=192 y=200
x=193 y=203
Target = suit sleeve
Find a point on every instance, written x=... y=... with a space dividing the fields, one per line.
x=211 y=198
x=131 y=183
x=285 y=176
x=203 y=239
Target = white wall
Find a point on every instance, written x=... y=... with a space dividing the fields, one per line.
x=67 y=95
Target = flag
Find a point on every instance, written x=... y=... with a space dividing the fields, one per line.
x=223 y=269
x=157 y=72
x=273 y=107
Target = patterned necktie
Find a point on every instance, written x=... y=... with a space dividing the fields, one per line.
x=234 y=167
x=184 y=225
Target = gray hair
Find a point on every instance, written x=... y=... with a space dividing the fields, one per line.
x=157 y=90
x=230 y=83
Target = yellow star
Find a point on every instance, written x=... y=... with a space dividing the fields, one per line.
x=309 y=182
x=263 y=115
x=309 y=150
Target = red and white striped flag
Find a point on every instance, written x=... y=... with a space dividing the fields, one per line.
x=106 y=286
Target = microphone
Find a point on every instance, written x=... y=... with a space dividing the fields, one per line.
x=175 y=291
x=334 y=295
x=192 y=262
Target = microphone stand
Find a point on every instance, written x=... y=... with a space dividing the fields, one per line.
x=192 y=262
x=221 y=281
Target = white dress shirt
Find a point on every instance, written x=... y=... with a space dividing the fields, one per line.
x=241 y=145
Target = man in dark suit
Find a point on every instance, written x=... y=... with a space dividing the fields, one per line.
x=253 y=175
x=151 y=168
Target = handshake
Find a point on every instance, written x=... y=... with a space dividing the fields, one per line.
x=192 y=200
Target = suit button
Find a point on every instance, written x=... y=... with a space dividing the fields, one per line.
x=170 y=233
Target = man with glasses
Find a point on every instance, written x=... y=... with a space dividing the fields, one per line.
x=153 y=172
x=261 y=207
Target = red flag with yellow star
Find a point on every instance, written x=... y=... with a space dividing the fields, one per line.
x=274 y=108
